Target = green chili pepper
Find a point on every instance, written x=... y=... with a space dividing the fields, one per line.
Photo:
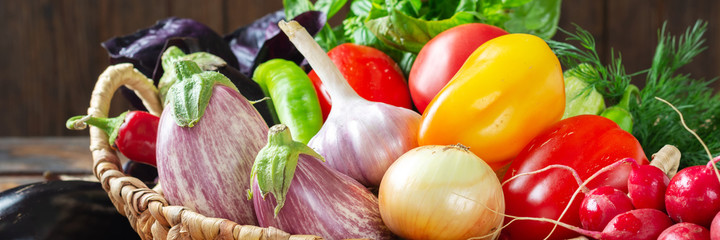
x=293 y=100
x=581 y=97
x=620 y=113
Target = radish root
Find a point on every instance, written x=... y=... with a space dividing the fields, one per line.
x=667 y=159
x=682 y=121
x=583 y=185
x=572 y=171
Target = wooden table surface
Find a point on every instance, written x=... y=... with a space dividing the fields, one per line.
x=26 y=159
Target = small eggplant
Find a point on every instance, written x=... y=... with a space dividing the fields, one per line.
x=307 y=196
x=247 y=87
x=61 y=210
x=208 y=137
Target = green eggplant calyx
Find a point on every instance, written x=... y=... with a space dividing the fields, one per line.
x=275 y=164
x=190 y=96
x=206 y=61
x=111 y=126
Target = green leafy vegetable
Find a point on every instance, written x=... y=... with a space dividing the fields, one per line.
x=327 y=37
x=406 y=33
x=656 y=124
x=400 y=28
x=539 y=18
x=407 y=25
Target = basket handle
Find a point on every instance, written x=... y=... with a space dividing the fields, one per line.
x=148 y=211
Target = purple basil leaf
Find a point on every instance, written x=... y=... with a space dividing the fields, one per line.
x=144 y=47
x=245 y=42
x=263 y=40
x=279 y=46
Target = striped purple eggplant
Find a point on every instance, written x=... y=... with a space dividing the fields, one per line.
x=208 y=137
x=308 y=197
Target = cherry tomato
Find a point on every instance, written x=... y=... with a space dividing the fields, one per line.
x=442 y=57
x=586 y=143
x=370 y=72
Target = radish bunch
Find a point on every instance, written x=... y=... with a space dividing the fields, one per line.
x=654 y=207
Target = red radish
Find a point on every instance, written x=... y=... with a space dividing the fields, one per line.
x=601 y=205
x=693 y=195
x=646 y=223
x=646 y=187
x=638 y=224
x=682 y=231
x=715 y=228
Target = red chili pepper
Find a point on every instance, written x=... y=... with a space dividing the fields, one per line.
x=133 y=133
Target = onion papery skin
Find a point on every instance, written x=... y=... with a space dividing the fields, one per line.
x=321 y=201
x=441 y=192
x=207 y=167
x=362 y=139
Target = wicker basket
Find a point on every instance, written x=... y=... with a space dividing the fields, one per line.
x=147 y=210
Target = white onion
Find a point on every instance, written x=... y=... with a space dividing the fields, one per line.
x=441 y=192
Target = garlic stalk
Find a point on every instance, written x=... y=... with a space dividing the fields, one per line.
x=360 y=138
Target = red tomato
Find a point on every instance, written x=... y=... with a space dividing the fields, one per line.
x=585 y=143
x=442 y=57
x=372 y=73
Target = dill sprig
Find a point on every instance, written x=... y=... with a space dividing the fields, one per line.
x=656 y=124
x=610 y=80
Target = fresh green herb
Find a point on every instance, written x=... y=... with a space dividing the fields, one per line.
x=610 y=80
x=655 y=124
x=695 y=98
x=327 y=37
x=407 y=25
x=400 y=28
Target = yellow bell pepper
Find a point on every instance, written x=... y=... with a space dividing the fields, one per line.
x=508 y=91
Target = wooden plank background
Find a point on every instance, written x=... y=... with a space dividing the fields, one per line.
x=52 y=55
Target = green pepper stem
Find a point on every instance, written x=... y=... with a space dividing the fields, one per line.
x=630 y=92
x=111 y=126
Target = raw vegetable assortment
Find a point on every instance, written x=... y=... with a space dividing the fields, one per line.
x=498 y=132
